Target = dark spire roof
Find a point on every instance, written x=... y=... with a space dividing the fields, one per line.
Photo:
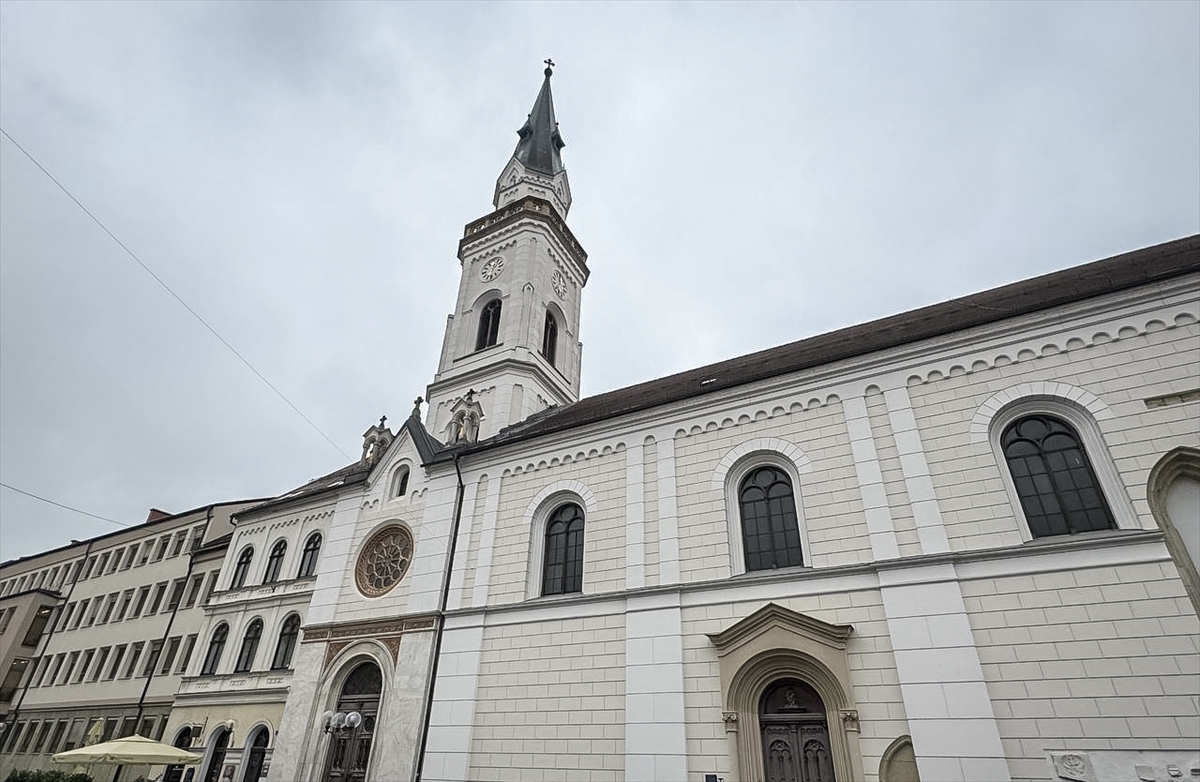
x=540 y=139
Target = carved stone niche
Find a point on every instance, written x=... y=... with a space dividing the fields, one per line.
x=776 y=643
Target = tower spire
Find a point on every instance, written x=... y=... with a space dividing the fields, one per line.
x=540 y=140
x=536 y=166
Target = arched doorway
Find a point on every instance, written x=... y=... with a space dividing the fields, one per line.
x=795 y=733
x=256 y=755
x=183 y=740
x=350 y=745
x=217 y=759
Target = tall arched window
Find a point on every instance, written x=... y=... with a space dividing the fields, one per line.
x=275 y=562
x=562 y=570
x=245 y=659
x=308 y=559
x=216 y=646
x=287 y=643
x=400 y=481
x=770 y=532
x=1054 y=479
x=489 y=325
x=550 y=338
x=242 y=568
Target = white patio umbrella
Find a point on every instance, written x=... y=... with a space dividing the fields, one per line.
x=131 y=750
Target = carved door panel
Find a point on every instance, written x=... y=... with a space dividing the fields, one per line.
x=795 y=734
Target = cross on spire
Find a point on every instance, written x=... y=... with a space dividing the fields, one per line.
x=549 y=64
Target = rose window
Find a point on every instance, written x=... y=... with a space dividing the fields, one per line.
x=383 y=561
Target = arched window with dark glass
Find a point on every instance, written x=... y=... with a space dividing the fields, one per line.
x=216 y=646
x=562 y=570
x=550 y=338
x=310 y=555
x=770 y=532
x=1053 y=477
x=275 y=562
x=489 y=325
x=400 y=482
x=242 y=568
x=245 y=659
x=287 y=643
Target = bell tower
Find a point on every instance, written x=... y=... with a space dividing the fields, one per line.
x=512 y=346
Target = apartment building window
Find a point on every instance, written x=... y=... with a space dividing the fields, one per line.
x=180 y=541
x=147 y=728
x=65 y=616
x=215 y=647
x=130 y=555
x=188 y=647
x=72 y=659
x=74 y=734
x=242 y=568
x=110 y=727
x=308 y=560
x=83 y=607
x=12 y=679
x=211 y=586
x=194 y=591
x=39 y=669
x=5 y=617
x=118 y=653
x=160 y=589
x=37 y=626
x=53 y=576
x=147 y=550
x=197 y=538
x=103 y=563
x=12 y=736
x=91 y=620
x=58 y=664
x=78 y=569
x=275 y=562
x=176 y=593
x=161 y=551
x=44 y=667
x=60 y=728
x=287 y=643
x=87 y=662
x=28 y=737
x=127 y=727
x=116 y=560
x=141 y=602
x=87 y=570
x=101 y=658
x=169 y=657
x=126 y=599
x=135 y=651
x=43 y=734
x=109 y=606
x=156 y=647
x=245 y=660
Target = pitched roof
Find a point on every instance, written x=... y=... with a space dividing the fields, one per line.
x=1120 y=272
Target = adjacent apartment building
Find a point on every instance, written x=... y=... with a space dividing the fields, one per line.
x=98 y=633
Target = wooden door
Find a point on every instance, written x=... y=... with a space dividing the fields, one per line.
x=795 y=734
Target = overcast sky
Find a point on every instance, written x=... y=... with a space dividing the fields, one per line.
x=744 y=175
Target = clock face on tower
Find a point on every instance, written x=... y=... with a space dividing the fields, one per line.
x=560 y=284
x=491 y=270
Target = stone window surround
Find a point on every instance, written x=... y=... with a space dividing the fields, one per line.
x=538 y=512
x=1083 y=419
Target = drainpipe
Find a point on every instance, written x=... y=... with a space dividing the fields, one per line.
x=10 y=719
x=440 y=619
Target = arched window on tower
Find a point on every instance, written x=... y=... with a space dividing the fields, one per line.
x=770 y=532
x=249 y=647
x=1054 y=478
x=489 y=325
x=275 y=562
x=287 y=643
x=562 y=568
x=550 y=338
x=400 y=481
x=308 y=559
x=242 y=568
x=216 y=646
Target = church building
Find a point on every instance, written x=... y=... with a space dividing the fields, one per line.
x=957 y=543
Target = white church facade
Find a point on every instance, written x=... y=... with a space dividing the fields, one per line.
x=958 y=543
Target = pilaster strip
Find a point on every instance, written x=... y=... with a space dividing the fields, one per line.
x=668 y=514
x=880 y=528
x=635 y=517
x=931 y=531
x=483 y=570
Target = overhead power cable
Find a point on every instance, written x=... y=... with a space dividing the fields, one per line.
x=65 y=507
x=175 y=295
